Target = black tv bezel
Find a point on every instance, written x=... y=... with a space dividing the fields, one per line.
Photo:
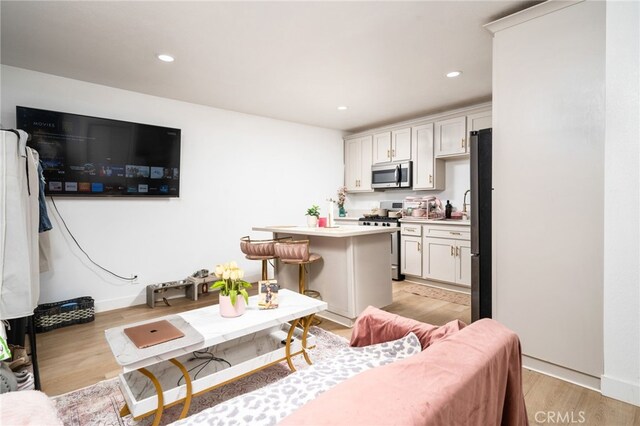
x=120 y=196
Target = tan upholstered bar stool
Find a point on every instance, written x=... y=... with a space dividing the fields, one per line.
x=297 y=253
x=260 y=250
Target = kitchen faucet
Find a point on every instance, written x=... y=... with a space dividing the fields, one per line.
x=464 y=202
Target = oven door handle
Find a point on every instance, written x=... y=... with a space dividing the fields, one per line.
x=397 y=175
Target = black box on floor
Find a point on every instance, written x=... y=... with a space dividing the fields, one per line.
x=49 y=316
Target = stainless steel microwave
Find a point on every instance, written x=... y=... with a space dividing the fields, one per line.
x=391 y=175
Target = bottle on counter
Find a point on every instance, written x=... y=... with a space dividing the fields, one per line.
x=447 y=210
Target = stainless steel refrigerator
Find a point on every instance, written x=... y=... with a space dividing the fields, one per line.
x=481 y=187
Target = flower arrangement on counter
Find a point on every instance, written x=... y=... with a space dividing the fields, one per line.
x=231 y=283
x=342 y=196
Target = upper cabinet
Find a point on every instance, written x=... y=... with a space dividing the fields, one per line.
x=451 y=137
x=357 y=156
x=428 y=173
x=392 y=146
x=479 y=121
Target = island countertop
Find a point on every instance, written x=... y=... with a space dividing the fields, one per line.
x=341 y=231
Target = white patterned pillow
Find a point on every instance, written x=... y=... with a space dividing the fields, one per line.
x=271 y=404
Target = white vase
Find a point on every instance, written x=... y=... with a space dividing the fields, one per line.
x=228 y=310
x=312 y=221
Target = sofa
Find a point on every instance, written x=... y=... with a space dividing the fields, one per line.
x=396 y=371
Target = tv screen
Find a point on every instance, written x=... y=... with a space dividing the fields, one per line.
x=98 y=157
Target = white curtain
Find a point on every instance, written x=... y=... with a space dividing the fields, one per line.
x=19 y=218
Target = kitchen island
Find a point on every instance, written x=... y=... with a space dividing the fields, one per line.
x=355 y=270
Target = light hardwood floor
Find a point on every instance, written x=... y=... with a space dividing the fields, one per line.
x=78 y=356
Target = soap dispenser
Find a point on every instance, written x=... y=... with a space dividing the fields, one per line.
x=447 y=210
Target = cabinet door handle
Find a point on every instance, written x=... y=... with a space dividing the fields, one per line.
x=430 y=178
x=451 y=247
x=388 y=153
x=393 y=153
x=454 y=233
x=457 y=251
x=462 y=143
x=410 y=229
x=418 y=246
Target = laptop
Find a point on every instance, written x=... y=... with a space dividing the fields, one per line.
x=153 y=333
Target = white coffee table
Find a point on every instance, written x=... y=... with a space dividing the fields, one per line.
x=150 y=380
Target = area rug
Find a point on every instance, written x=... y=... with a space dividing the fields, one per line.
x=100 y=404
x=438 y=293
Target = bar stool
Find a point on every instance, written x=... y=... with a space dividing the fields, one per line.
x=260 y=250
x=297 y=253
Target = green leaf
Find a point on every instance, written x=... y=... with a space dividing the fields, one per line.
x=217 y=284
x=244 y=294
x=233 y=294
x=246 y=284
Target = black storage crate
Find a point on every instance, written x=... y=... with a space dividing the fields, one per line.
x=50 y=316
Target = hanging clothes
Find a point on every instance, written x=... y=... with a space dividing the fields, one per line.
x=44 y=222
x=19 y=223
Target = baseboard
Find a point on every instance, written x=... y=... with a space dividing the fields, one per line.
x=120 y=302
x=562 y=373
x=620 y=389
x=438 y=284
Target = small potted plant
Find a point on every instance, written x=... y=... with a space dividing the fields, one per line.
x=231 y=286
x=313 y=214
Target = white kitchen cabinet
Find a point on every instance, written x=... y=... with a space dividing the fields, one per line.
x=447 y=254
x=392 y=146
x=428 y=172
x=479 y=121
x=411 y=256
x=357 y=173
x=439 y=259
x=450 y=137
x=382 y=147
x=411 y=249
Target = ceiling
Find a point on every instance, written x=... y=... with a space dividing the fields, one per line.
x=295 y=61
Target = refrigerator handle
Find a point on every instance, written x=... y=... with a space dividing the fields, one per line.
x=475 y=229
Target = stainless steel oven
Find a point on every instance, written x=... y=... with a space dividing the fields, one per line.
x=394 y=249
x=391 y=175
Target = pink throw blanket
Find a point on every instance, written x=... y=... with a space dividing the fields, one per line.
x=472 y=377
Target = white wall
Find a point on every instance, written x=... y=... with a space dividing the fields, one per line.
x=621 y=377
x=237 y=171
x=548 y=211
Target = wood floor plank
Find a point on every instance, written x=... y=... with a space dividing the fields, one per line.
x=78 y=356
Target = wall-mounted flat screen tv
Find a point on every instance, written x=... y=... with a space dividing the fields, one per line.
x=97 y=157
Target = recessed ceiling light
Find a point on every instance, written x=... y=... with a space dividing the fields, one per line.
x=342 y=108
x=453 y=74
x=166 y=58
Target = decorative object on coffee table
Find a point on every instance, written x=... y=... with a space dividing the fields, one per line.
x=231 y=286
x=268 y=294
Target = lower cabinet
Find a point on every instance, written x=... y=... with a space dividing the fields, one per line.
x=411 y=253
x=437 y=252
x=447 y=260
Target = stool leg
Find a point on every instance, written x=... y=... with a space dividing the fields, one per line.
x=264 y=270
x=301 y=278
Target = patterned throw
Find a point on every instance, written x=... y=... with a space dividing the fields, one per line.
x=99 y=404
x=271 y=404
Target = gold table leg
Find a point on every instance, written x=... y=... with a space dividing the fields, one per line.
x=156 y=383
x=307 y=323
x=187 y=380
x=124 y=411
x=287 y=346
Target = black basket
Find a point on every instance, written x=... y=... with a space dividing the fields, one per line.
x=50 y=316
